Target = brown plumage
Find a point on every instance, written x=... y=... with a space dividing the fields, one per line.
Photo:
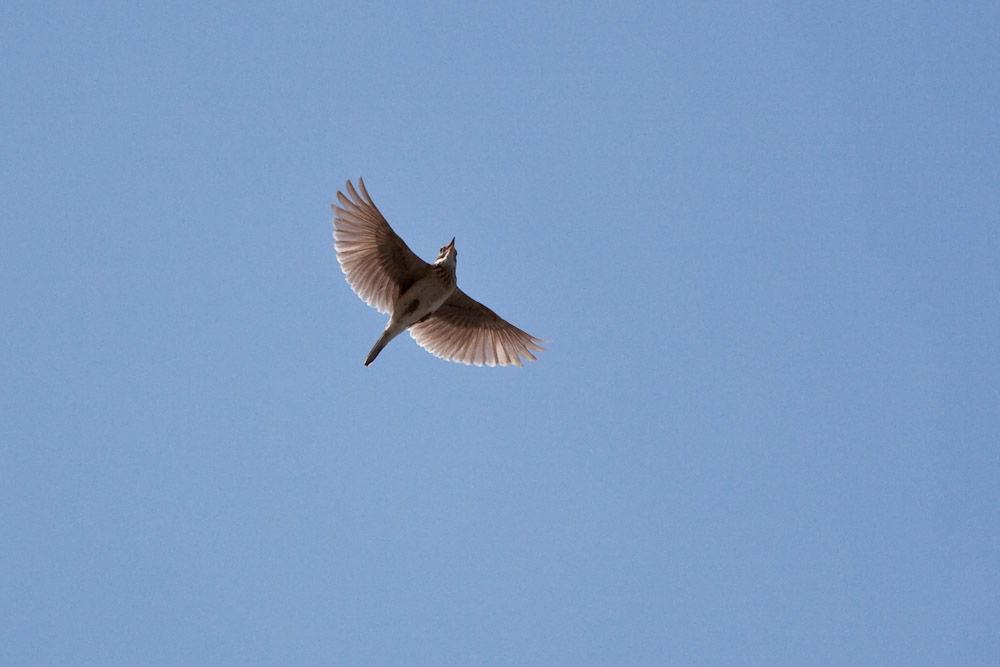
x=421 y=297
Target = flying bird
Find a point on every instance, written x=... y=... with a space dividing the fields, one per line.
x=420 y=297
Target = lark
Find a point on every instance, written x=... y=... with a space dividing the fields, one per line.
x=421 y=298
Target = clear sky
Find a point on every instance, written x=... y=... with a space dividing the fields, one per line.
x=762 y=240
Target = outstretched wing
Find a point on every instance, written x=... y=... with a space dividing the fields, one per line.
x=378 y=265
x=466 y=331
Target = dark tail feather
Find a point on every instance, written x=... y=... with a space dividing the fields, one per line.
x=379 y=344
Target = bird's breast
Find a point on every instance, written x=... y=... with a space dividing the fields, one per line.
x=445 y=276
x=424 y=297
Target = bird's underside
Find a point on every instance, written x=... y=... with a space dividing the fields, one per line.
x=419 y=297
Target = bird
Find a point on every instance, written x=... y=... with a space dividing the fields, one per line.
x=420 y=297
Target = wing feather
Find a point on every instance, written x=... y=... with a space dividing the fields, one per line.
x=377 y=263
x=468 y=332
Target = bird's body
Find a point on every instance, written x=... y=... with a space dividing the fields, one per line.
x=421 y=297
x=425 y=296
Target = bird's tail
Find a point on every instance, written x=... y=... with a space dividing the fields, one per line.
x=383 y=340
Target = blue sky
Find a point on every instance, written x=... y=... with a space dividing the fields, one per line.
x=761 y=239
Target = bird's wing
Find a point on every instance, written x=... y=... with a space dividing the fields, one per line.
x=378 y=265
x=464 y=330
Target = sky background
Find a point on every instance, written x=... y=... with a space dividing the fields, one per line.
x=762 y=240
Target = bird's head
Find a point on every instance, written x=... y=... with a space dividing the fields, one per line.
x=448 y=255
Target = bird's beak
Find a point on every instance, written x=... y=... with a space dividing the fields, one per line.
x=451 y=244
